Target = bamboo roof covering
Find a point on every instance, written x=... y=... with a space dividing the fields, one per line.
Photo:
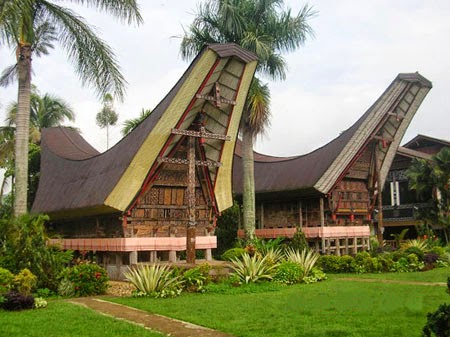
x=319 y=170
x=77 y=181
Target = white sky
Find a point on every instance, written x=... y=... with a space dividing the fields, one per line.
x=359 y=48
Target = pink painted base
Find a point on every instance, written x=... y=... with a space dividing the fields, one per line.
x=313 y=232
x=134 y=244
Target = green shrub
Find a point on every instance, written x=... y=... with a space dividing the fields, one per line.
x=39 y=303
x=154 y=280
x=414 y=263
x=438 y=250
x=299 y=241
x=197 y=278
x=415 y=250
x=25 y=246
x=316 y=275
x=273 y=256
x=288 y=273
x=24 y=282
x=306 y=259
x=233 y=253
x=401 y=266
x=329 y=263
x=252 y=269
x=385 y=262
x=6 y=279
x=87 y=278
x=364 y=263
x=438 y=322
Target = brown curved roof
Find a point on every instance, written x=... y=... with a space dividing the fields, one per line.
x=76 y=178
x=324 y=165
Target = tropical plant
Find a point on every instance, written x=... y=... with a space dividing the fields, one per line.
x=195 y=279
x=6 y=279
x=131 y=124
x=87 y=279
x=267 y=29
x=14 y=301
x=431 y=181
x=273 y=255
x=25 y=281
x=46 y=111
x=416 y=243
x=24 y=245
x=306 y=259
x=107 y=116
x=252 y=269
x=154 y=280
x=22 y=24
x=233 y=253
x=288 y=273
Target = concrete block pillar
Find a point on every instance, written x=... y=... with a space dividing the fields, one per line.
x=133 y=258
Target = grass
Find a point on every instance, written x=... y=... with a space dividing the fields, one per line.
x=435 y=275
x=330 y=308
x=62 y=319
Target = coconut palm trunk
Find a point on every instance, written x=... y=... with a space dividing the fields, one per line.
x=22 y=127
x=248 y=195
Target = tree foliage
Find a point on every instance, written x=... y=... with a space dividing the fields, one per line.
x=131 y=124
x=431 y=181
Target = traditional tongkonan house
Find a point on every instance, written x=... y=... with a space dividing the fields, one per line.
x=332 y=192
x=158 y=191
x=399 y=203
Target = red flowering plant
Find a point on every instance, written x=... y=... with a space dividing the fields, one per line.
x=87 y=279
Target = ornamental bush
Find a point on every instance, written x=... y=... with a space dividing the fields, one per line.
x=14 y=301
x=6 y=278
x=87 y=279
x=196 y=278
x=24 y=282
x=288 y=273
x=233 y=253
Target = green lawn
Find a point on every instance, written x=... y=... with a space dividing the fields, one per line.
x=435 y=275
x=62 y=319
x=329 y=308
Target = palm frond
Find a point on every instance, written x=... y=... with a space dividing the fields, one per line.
x=94 y=60
x=9 y=76
x=257 y=112
x=124 y=10
x=44 y=36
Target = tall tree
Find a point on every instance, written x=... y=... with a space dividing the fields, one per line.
x=130 y=124
x=45 y=112
x=107 y=116
x=431 y=181
x=93 y=59
x=267 y=29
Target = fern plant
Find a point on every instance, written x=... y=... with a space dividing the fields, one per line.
x=252 y=269
x=154 y=280
x=306 y=259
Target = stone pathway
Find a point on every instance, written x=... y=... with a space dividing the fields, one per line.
x=373 y=280
x=165 y=325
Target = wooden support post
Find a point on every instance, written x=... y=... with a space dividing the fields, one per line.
x=322 y=212
x=355 y=245
x=261 y=223
x=346 y=246
x=190 y=237
x=300 y=214
x=208 y=251
x=133 y=258
x=172 y=253
x=379 y=198
x=338 y=247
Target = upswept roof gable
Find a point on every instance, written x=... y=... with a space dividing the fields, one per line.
x=322 y=168
x=73 y=184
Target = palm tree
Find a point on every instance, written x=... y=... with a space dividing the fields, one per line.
x=6 y=156
x=130 y=124
x=46 y=111
x=267 y=29
x=94 y=60
x=107 y=116
x=431 y=181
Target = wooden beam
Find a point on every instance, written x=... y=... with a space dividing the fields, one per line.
x=200 y=134
x=181 y=161
x=191 y=230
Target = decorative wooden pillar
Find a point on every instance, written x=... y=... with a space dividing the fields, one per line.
x=172 y=253
x=133 y=258
x=379 y=198
x=321 y=212
x=190 y=239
